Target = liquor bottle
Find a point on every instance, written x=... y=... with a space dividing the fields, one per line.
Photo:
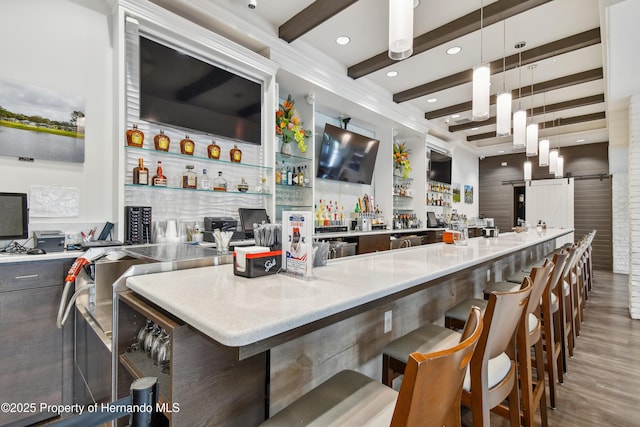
x=213 y=150
x=306 y=177
x=161 y=141
x=189 y=178
x=277 y=174
x=235 y=154
x=204 y=181
x=187 y=146
x=219 y=184
x=300 y=177
x=159 y=180
x=135 y=137
x=140 y=173
x=289 y=176
x=283 y=174
x=243 y=187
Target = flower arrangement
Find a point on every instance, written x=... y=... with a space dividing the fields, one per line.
x=288 y=125
x=401 y=158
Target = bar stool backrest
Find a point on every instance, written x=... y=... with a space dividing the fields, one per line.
x=432 y=383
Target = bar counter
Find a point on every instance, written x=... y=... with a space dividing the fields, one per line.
x=237 y=311
x=263 y=342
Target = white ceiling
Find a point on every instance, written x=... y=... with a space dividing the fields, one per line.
x=366 y=23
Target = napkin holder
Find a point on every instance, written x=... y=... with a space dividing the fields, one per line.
x=256 y=261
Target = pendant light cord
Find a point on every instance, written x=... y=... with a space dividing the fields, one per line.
x=481 y=19
x=504 y=55
x=520 y=79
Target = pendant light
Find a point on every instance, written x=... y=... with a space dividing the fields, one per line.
x=520 y=116
x=553 y=161
x=543 y=146
x=503 y=106
x=400 y=29
x=527 y=170
x=559 y=167
x=481 y=83
x=532 y=128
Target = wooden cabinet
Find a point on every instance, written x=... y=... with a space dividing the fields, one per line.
x=32 y=352
x=373 y=243
x=195 y=390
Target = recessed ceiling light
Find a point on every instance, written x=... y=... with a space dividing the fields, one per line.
x=454 y=50
x=455 y=116
x=500 y=151
x=343 y=40
x=474 y=128
x=392 y=73
x=503 y=164
x=581 y=140
x=432 y=100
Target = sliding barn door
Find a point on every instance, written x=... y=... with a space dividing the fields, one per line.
x=551 y=201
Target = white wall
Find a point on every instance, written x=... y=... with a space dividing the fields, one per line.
x=464 y=171
x=64 y=46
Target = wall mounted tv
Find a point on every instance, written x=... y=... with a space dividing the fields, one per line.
x=179 y=90
x=346 y=156
x=440 y=168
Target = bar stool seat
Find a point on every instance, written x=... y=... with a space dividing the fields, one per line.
x=455 y=317
x=334 y=404
x=498 y=369
x=425 y=339
x=518 y=277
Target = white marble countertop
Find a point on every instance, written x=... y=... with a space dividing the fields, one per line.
x=6 y=258
x=237 y=311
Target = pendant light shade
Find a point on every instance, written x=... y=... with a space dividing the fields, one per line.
x=532 y=139
x=560 y=167
x=527 y=170
x=503 y=114
x=519 y=128
x=400 y=29
x=480 y=99
x=543 y=156
x=553 y=161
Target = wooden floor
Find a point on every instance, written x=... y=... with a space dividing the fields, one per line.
x=602 y=387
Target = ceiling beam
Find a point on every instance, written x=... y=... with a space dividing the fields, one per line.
x=493 y=13
x=562 y=121
x=558 y=47
x=549 y=85
x=310 y=17
x=551 y=108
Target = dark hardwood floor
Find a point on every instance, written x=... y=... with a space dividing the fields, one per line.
x=602 y=387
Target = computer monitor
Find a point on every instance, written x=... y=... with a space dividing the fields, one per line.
x=249 y=216
x=432 y=221
x=14 y=216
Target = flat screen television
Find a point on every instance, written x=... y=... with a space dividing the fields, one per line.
x=346 y=156
x=440 y=168
x=14 y=216
x=179 y=90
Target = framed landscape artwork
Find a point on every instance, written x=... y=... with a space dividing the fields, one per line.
x=40 y=123
x=456 y=193
x=468 y=194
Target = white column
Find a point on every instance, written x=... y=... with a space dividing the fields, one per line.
x=634 y=206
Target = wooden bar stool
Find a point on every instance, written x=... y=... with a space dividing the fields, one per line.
x=529 y=336
x=551 y=322
x=493 y=377
x=429 y=395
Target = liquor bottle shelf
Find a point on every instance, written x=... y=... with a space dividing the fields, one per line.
x=198 y=158
x=152 y=188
